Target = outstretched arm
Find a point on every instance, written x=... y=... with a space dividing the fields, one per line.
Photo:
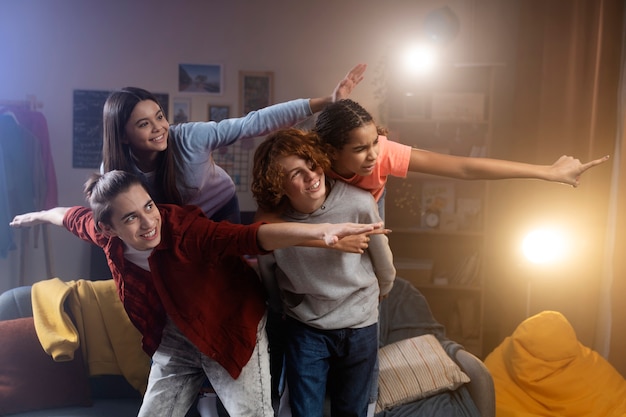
x=565 y=170
x=357 y=243
x=279 y=235
x=52 y=216
x=342 y=90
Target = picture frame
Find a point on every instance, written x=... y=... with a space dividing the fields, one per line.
x=200 y=78
x=217 y=113
x=256 y=90
x=437 y=197
x=181 y=110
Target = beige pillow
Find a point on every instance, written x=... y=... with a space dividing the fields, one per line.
x=415 y=368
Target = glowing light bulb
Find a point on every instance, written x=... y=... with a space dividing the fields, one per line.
x=421 y=59
x=544 y=246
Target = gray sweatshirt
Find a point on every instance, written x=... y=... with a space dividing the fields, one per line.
x=326 y=288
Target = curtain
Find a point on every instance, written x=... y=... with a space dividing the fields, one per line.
x=615 y=343
x=567 y=71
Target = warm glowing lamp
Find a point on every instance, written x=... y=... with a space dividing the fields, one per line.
x=542 y=247
x=439 y=27
x=420 y=59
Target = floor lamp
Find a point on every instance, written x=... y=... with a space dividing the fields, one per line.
x=541 y=247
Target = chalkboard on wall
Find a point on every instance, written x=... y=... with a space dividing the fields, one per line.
x=87 y=130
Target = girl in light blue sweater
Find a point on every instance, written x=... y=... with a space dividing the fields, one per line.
x=176 y=160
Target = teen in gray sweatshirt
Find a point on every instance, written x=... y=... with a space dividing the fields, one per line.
x=330 y=298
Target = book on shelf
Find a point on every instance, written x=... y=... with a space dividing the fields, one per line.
x=467 y=273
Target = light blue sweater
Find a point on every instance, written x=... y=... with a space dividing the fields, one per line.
x=210 y=187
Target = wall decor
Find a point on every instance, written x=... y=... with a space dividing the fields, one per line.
x=87 y=126
x=236 y=160
x=256 y=90
x=181 y=110
x=218 y=113
x=195 y=78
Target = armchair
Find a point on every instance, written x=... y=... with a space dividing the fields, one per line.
x=405 y=314
x=48 y=388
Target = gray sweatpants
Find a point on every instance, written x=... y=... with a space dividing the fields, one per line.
x=178 y=371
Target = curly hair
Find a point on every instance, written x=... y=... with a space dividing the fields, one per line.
x=338 y=119
x=268 y=175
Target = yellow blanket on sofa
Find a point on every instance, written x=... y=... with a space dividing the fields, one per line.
x=110 y=343
x=543 y=370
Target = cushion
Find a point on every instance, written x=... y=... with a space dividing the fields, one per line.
x=16 y=303
x=415 y=368
x=543 y=369
x=30 y=379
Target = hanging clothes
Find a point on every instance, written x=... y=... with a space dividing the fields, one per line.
x=22 y=166
x=35 y=122
x=6 y=236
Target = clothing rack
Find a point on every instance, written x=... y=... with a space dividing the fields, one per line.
x=31 y=103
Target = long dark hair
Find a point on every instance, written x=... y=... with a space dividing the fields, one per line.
x=116 y=154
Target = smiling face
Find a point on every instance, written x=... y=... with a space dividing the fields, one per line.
x=135 y=219
x=304 y=185
x=146 y=133
x=359 y=154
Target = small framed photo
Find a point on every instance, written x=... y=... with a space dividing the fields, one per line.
x=218 y=113
x=194 y=78
x=256 y=90
x=181 y=110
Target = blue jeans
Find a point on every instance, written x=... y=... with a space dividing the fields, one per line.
x=340 y=362
x=376 y=371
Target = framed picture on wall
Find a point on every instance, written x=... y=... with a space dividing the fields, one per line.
x=195 y=78
x=218 y=113
x=256 y=90
x=181 y=110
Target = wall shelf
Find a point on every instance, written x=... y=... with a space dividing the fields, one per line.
x=441 y=255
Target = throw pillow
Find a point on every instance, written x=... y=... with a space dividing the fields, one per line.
x=30 y=379
x=415 y=368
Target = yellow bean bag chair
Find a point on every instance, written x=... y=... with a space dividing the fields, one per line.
x=543 y=370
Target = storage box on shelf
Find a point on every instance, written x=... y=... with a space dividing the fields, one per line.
x=438 y=224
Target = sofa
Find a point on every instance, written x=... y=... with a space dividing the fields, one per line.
x=405 y=316
x=33 y=385
x=40 y=387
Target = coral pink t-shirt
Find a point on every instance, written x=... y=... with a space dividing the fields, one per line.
x=393 y=159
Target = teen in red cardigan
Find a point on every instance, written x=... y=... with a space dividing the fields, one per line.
x=186 y=287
